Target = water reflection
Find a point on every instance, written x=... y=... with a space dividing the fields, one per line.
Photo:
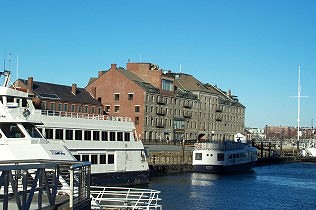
x=203 y=179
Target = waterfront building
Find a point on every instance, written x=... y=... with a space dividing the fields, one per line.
x=218 y=115
x=168 y=107
x=60 y=98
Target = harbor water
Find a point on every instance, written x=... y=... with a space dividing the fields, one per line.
x=281 y=186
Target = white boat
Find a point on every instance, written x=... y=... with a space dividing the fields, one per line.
x=309 y=150
x=117 y=159
x=223 y=157
x=19 y=137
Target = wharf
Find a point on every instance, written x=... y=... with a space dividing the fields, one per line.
x=172 y=159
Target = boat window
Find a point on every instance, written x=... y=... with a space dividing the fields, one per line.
x=11 y=130
x=69 y=135
x=77 y=157
x=85 y=157
x=78 y=135
x=96 y=135
x=49 y=133
x=198 y=156
x=112 y=136
x=59 y=134
x=30 y=128
x=94 y=159
x=127 y=136
x=104 y=136
x=87 y=135
x=120 y=136
x=102 y=159
x=111 y=159
x=220 y=157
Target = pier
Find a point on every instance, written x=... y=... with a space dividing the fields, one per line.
x=172 y=158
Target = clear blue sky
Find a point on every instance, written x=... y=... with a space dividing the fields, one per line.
x=252 y=47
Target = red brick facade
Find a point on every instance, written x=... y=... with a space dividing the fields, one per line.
x=112 y=83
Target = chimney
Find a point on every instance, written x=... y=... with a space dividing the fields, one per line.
x=100 y=73
x=30 y=84
x=74 y=89
x=229 y=93
x=113 y=66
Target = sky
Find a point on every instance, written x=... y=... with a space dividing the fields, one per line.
x=251 y=47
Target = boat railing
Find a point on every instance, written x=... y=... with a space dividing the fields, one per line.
x=84 y=115
x=225 y=145
x=124 y=198
x=37 y=184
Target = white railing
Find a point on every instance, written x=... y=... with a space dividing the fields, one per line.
x=124 y=198
x=84 y=115
x=228 y=145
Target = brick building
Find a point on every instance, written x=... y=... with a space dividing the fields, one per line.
x=165 y=106
x=60 y=98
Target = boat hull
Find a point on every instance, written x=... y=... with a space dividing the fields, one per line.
x=120 y=178
x=243 y=167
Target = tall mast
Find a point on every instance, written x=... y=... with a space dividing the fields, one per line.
x=298 y=103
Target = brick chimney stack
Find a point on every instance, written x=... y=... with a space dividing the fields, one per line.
x=30 y=84
x=74 y=89
x=113 y=66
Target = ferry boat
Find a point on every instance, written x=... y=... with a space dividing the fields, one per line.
x=117 y=158
x=223 y=157
x=19 y=138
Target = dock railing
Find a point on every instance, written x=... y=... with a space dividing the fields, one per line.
x=36 y=184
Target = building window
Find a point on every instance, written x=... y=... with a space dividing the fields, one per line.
x=93 y=110
x=66 y=107
x=43 y=105
x=116 y=109
x=59 y=107
x=100 y=99
x=167 y=85
x=100 y=110
x=73 y=107
x=52 y=106
x=107 y=108
x=86 y=109
x=136 y=120
x=79 y=108
x=116 y=96
x=137 y=108
x=130 y=96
